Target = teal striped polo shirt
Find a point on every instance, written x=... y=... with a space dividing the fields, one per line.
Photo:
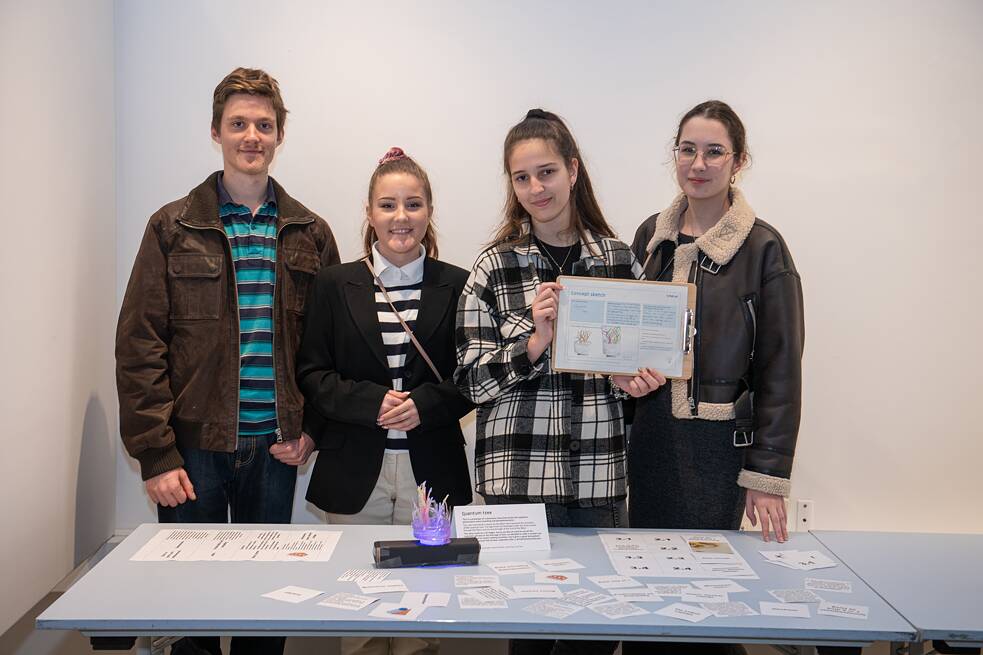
x=253 y=241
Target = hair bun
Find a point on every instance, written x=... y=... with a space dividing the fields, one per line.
x=393 y=154
x=539 y=113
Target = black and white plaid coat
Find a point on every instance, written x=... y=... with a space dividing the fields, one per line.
x=541 y=436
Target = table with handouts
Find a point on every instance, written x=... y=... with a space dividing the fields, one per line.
x=589 y=598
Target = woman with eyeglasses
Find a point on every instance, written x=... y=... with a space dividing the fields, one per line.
x=704 y=450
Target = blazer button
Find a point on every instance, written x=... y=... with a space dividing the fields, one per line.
x=574 y=446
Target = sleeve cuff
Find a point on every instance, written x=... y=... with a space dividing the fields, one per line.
x=524 y=367
x=769 y=484
x=155 y=461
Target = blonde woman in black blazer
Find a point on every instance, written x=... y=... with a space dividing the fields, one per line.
x=382 y=420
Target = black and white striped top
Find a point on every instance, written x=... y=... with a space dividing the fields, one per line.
x=404 y=286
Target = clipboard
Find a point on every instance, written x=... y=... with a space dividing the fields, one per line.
x=609 y=326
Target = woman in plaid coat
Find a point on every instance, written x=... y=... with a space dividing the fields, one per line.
x=543 y=436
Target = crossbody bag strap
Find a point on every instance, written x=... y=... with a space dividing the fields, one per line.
x=416 y=343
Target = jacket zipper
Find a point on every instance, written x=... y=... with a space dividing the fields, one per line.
x=749 y=303
x=694 y=381
x=235 y=288
x=276 y=392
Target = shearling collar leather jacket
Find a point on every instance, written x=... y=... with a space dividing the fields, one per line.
x=750 y=329
x=177 y=340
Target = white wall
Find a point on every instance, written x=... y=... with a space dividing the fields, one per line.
x=862 y=119
x=57 y=273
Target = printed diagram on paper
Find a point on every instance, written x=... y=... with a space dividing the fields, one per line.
x=228 y=545
x=675 y=555
x=617 y=326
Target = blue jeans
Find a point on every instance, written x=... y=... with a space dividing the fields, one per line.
x=558 y=515
x=248 y=486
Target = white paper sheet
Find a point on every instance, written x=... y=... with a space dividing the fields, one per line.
x=396 y=611
x=614 y=581
x=382 y=586
x=675 y=555
x=504 y=528
x=617 y=610
x=791 y=610
x=836 y=586
x=726 y=586
x=346 y=601
x=473 y=603
x=468 y=581
x=690 y=613
x=292 y=594
x=699 y=596
x=559 y=577
x=843 y=610
x=231 y=545
x=729 y=610
x=511 y=568
x=425 y=599
x=795 y=595
x=536 y=591
x=558 y=564
x=554 y=609
x=637 y=596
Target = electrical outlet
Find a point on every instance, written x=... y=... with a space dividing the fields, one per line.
x=804 y=510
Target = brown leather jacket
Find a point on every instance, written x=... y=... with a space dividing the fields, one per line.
x=177 y=340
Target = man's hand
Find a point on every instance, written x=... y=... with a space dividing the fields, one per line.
x=295 y=452
x=171 y=488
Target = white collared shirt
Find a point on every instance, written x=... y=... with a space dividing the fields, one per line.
x=392 y=275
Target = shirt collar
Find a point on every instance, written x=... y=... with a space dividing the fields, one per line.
x=390 y=274
x=225 y=198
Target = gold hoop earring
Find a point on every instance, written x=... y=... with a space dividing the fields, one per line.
x=733 y=178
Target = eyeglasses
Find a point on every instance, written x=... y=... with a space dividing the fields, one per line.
x=712 y=156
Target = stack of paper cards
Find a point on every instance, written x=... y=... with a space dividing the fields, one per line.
x=802 y=560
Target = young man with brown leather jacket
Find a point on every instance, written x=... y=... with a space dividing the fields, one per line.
x=209 y=330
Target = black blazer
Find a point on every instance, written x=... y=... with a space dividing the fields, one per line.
x=343 y=374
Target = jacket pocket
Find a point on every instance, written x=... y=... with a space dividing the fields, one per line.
x=301 y=267
x=196 y=285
